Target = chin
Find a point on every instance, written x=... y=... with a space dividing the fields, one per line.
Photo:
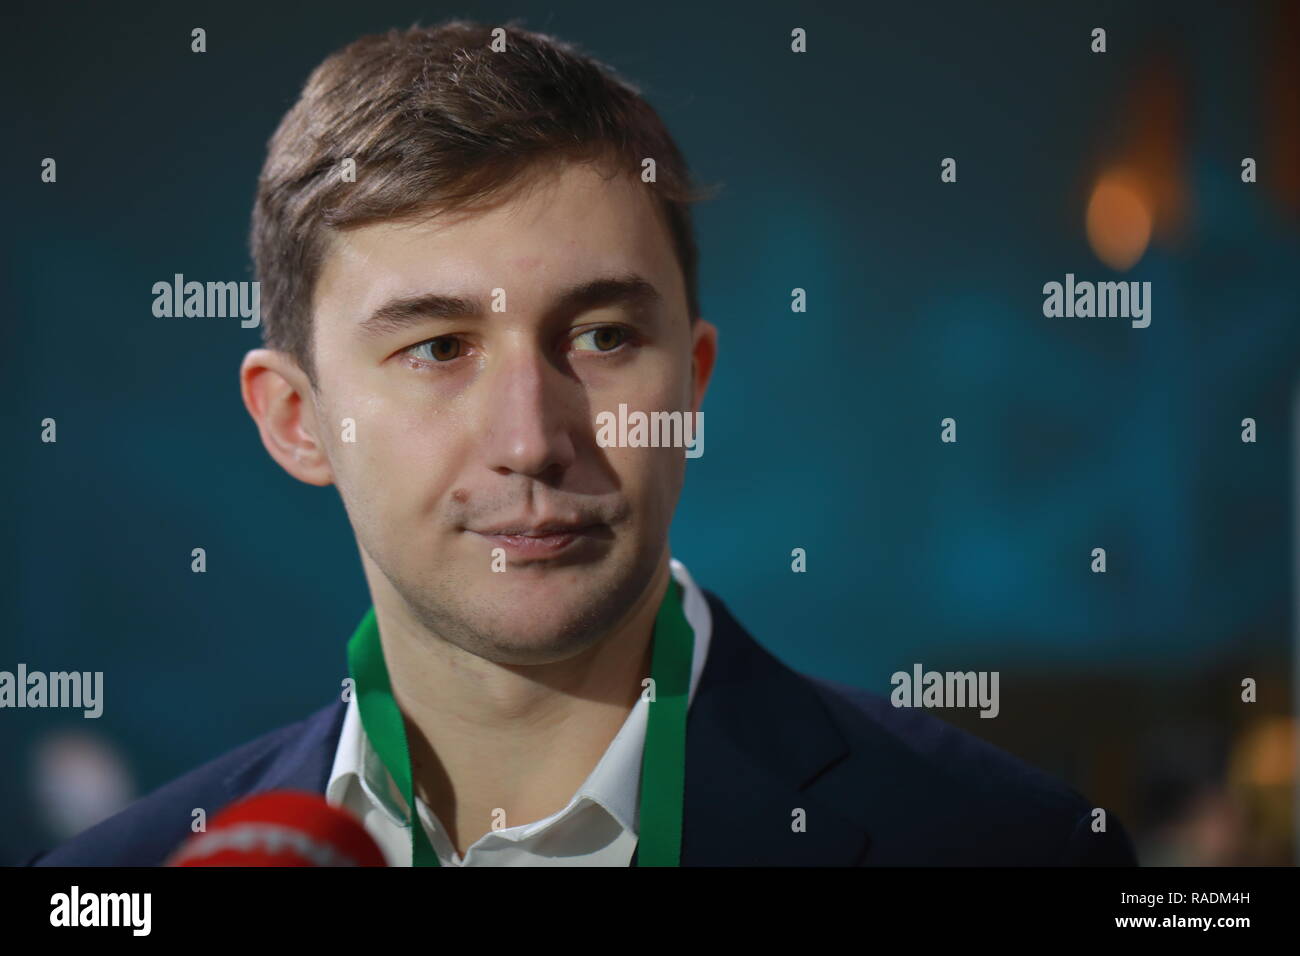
x=543 y=619
x=516 y=650
x=527 y=639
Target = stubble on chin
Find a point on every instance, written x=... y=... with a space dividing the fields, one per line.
x=508 y=630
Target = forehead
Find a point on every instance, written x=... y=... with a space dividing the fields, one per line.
x=563 y=227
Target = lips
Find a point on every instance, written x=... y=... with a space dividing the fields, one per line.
x=542 y=530
x=543 y=539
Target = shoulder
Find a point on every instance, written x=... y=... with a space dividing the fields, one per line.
x=147 y=831
x=936 y=793
x=918 y=790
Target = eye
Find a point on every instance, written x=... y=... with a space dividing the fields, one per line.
x=605 y=339
x=442 y=349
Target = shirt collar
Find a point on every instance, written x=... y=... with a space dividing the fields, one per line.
x=614 y=784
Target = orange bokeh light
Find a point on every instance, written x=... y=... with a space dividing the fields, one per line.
x=1119 y=221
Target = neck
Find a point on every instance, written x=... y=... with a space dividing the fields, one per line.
x=488 y=739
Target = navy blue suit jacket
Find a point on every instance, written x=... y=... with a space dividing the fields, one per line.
x=880 y=785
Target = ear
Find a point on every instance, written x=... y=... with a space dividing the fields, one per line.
x=278 y=395
x=704 y=352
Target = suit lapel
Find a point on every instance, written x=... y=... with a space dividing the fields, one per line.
x=302 y=763
x=757 y=741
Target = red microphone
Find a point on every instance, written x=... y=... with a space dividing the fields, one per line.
x=280 y=828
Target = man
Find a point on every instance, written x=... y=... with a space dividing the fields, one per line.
x=473 y=244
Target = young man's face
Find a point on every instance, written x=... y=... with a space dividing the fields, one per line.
x=471 y=425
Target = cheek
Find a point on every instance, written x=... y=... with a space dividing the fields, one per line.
x=652 y=476
x=659 y=380
x=396 y=459
x=653 y=394
x=403 y=431
x=649 y=477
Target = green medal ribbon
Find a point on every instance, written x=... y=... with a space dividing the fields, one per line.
x=663 y=762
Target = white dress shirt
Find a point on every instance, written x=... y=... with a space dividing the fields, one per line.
x=598 y=827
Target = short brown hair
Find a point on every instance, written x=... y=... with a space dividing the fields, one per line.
x=434 y=118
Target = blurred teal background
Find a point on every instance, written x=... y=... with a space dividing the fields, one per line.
x=924 y=301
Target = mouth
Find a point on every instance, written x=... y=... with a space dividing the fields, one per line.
x=547 y=539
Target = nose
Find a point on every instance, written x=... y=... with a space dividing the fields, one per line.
x=527 y=415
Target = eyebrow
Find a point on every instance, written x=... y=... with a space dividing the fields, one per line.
x=628 y=289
